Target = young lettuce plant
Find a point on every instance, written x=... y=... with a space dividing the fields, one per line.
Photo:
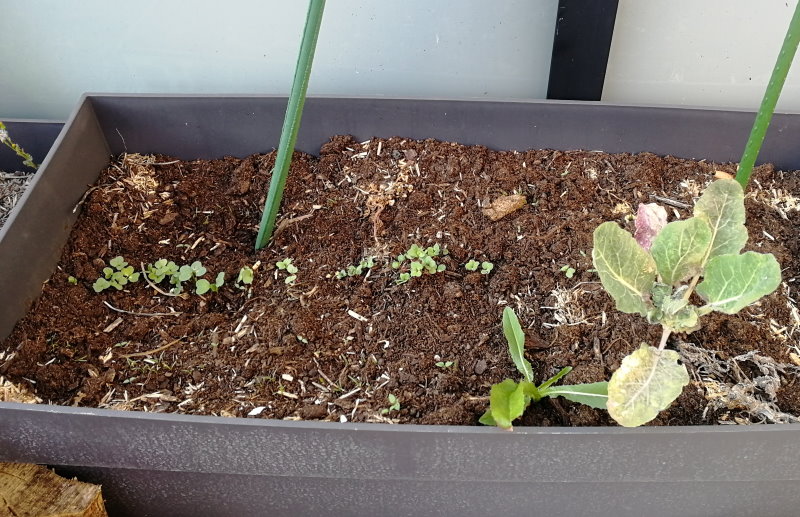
x=509 y=399
x=245 y=278
x=290 y=269
x=648 y=274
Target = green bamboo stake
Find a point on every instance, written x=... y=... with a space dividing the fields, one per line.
x=774 y=88
x=291 y=123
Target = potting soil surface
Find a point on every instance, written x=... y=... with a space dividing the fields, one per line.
x=325 y=348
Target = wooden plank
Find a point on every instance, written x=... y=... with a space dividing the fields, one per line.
x=34 y=491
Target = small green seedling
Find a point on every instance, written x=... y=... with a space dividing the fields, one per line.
x=202 y=286
x=654 y=274
x=394 y=405
x=161 y=269
x=365 y=265
x=444 y=364
x=291 y=270
x=568 y=270
x=508 y=400
x=72 y=280
x=418 y=260
x=473 y=265
x=246 y=276
x=117 y=275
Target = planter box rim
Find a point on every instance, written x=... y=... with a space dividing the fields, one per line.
x=361 y=426
x=465 y=100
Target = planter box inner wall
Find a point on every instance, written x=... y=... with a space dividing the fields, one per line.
x=215 y=466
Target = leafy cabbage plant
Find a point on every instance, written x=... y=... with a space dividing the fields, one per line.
x=509 y=399
x=654 y=273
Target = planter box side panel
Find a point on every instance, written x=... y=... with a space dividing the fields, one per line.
x=147 y=493
x=143 y=441
x=32 y=239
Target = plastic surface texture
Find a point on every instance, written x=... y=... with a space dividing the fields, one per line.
x=214 y=466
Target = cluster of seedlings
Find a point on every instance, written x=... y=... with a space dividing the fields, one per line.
x=362 y=267
x=418 y=260
x=119 y=274
x=413 y=263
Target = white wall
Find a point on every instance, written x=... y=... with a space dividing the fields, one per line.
x=54 y=50
x=699 y=52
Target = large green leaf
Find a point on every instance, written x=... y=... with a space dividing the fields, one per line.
x=722 y=207
x=679 y=249
x=626 y=270
x=487 y=418
x=594 y=395
x=732 y=282
x=647 y=381
x=507 y=402
x=516 y=343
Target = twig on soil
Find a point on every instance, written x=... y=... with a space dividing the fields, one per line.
x=154 y=286
x=560 y=410
x=151 y=352
x=322 y=374
x=86 y=195
x=246 y=302
x=123 y=311
x=349 y=394
x=286 y=222
x=670 y=202
x=379 y=419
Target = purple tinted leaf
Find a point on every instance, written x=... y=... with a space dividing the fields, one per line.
x=650 y=220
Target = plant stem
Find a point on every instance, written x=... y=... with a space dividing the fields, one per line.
x=6 y=139
x=692 y=285
x=291 y=122
x=665 y=332
x=770 y=99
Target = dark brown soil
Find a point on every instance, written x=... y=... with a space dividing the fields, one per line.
x=335 y=349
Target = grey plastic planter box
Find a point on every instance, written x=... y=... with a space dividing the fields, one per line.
x=35 y=136
x=153 y=465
